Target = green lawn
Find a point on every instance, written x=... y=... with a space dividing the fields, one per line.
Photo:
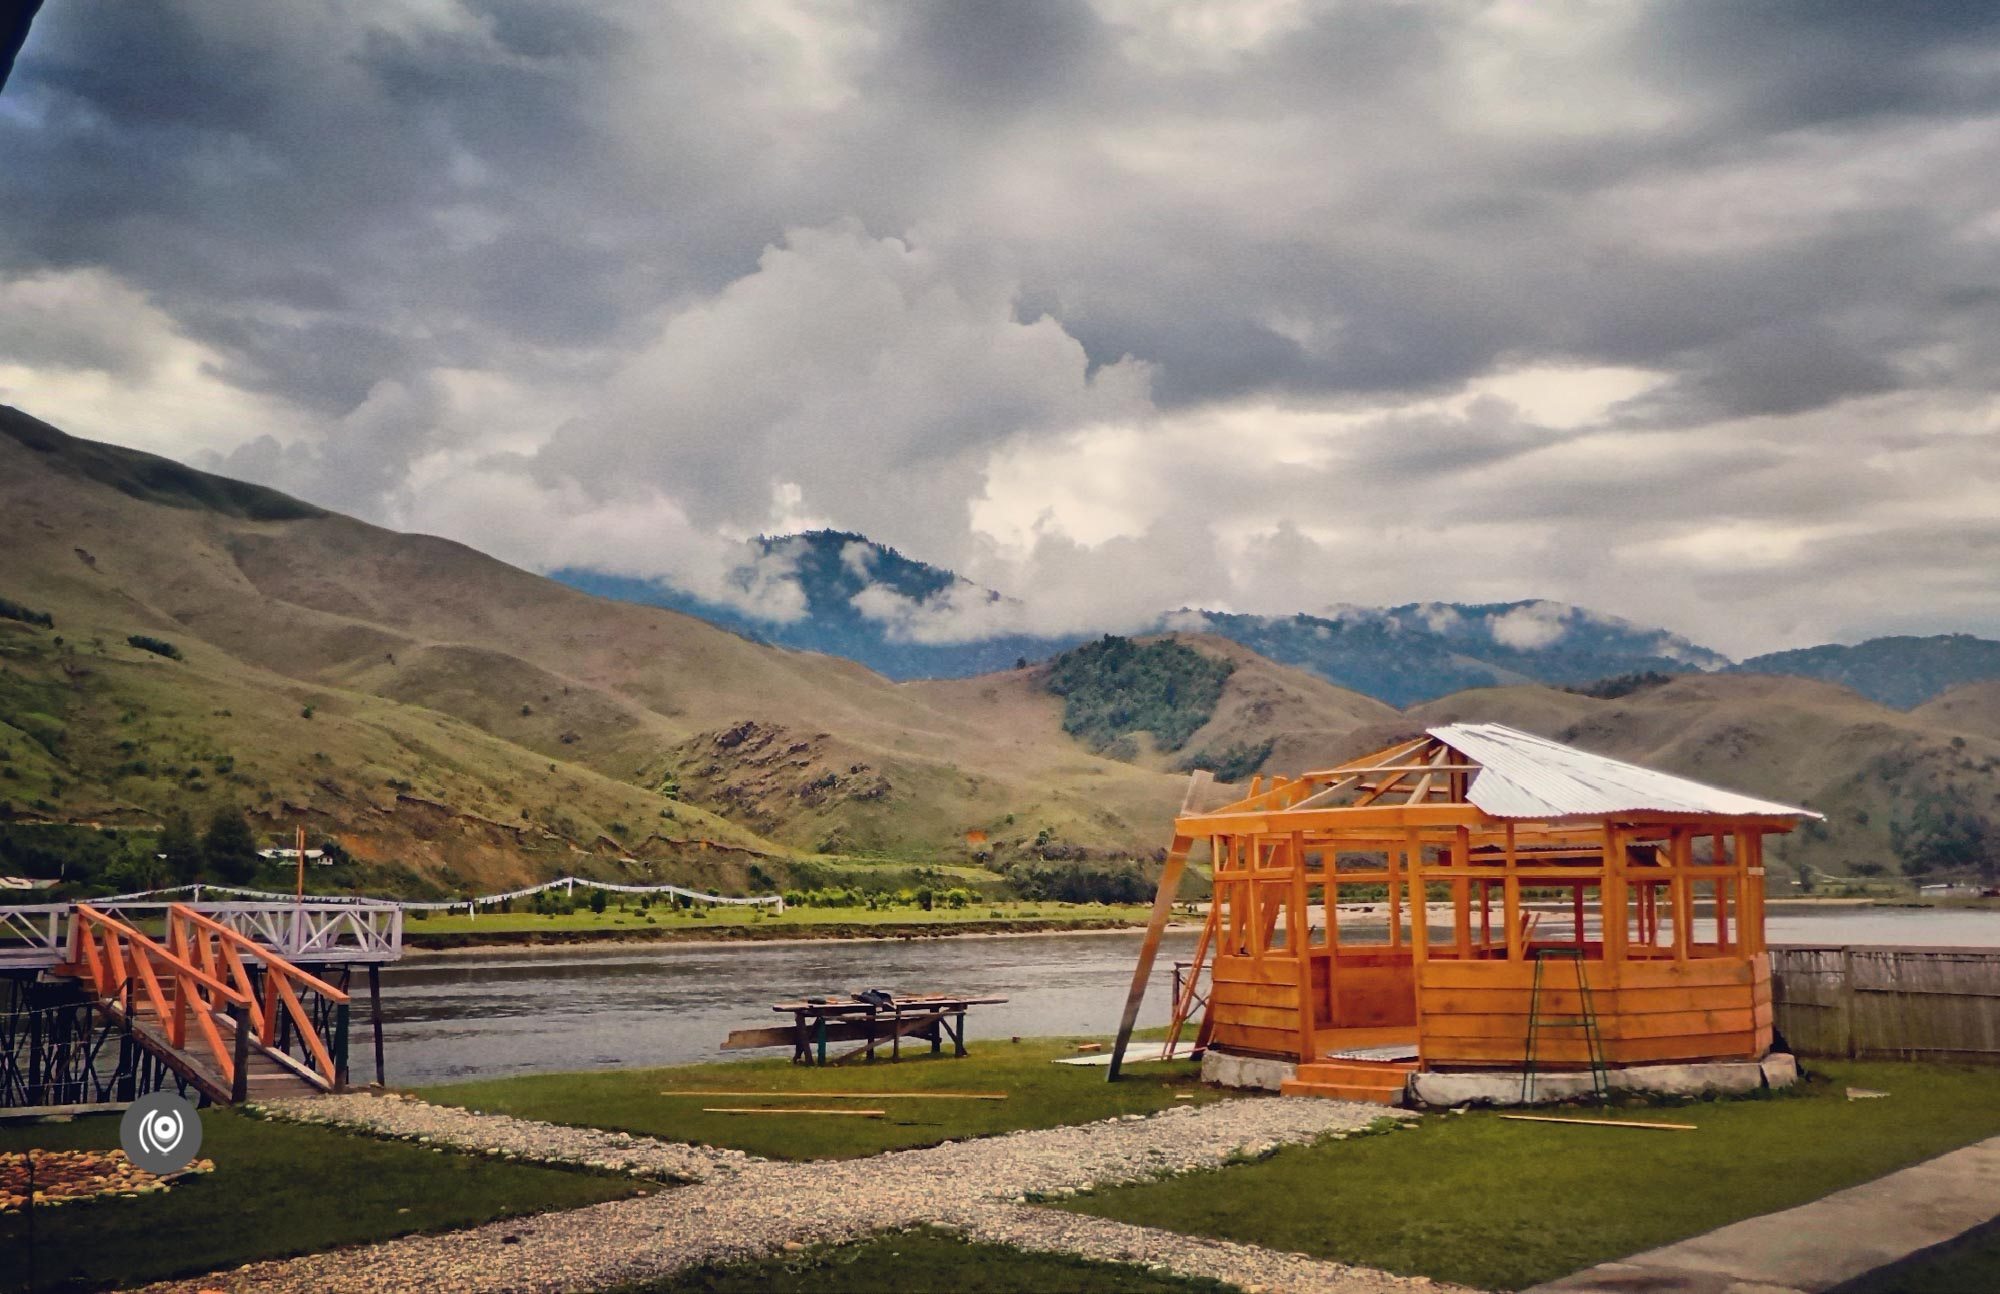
x=1039 y=1095
x=925 y=1260
x=277 y=1189
x=1501 y=1205
x=803 y=920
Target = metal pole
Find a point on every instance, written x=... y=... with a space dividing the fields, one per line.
x=375 y=1017
x=340 y=1047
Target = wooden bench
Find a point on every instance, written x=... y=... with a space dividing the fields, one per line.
x=928 y=1016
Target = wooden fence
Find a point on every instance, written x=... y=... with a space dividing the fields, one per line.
x=1902 y=1003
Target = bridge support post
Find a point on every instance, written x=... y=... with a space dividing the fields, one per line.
x=375 y=1018
x=239 y=1079
x=340 y=1047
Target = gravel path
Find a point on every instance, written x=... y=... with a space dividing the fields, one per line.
x=743 y=1207
x=1247 y=1266
x=506 y=1137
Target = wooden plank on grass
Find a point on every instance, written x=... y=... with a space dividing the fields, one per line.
x=851 y=1096
x=788 y=1109
x=1601 y=1123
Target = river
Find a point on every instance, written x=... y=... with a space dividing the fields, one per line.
x=581 y=1007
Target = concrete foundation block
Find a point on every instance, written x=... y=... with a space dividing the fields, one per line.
x=1503 y=1087
x=1231 y=1070
x=1714 y=1077
x=1494 y=1087
x=1781 y=1069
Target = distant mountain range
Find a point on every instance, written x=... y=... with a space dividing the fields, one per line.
x=1902 y=672
x=863 y=598
x=833 y=569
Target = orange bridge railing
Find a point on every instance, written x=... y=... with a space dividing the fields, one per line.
x=129 y=968
x=279 y=1013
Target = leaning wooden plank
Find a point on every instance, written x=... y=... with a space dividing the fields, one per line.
x=1601 y=1123
x=852 y=1096
x=743 y=1039
x=788 y=1109
x=786 y=1035
x=903 y=1027
x=1156 y=925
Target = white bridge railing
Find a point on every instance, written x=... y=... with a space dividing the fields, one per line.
x=33 y=935
x=321 y=928
x=314 y=931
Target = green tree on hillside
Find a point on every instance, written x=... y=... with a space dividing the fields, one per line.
x=1116 y=686
x=1946 y=832
x=180 y=848
x=228 y=846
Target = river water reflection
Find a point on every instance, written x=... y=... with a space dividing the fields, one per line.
x=485 y=1015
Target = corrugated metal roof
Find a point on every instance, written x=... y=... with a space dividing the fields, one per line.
x=1525 y=776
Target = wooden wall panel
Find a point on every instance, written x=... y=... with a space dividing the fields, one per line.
x=1477 y=1014
x=1265 y=1041
x=1275 y=969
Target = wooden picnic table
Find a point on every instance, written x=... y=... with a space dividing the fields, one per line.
x=870 y=1021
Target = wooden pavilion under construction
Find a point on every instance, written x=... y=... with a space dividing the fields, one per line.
x=1476 y=898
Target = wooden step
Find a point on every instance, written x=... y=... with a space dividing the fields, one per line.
x=1364 y=1072
x=1365 y=1093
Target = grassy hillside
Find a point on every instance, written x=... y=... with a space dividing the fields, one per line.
x=466 y=716
x=1870 y=769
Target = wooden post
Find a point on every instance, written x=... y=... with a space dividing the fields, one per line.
x=1461 y=894
x=1683 y=858
x=1848 y=1047
x=1395 y=912
x=1258 y=929
x=1297 y=934
x=1611 y=895
x=1163 y=908
x=1750 y=920
x=1516 y=943
x=1728 y=890
x=1413 y=853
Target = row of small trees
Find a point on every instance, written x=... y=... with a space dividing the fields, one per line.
x=224 y=850
x=1944 y=830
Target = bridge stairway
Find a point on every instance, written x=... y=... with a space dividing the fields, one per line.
x=181 y=1000
x=1373 y=1082
x=267 y=1073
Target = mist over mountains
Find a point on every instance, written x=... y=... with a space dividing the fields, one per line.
x=907 y=619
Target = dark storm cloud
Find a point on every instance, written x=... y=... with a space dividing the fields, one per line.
x=1795 y=63
x=767 y=263
x=983 y=59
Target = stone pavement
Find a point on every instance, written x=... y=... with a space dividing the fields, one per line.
x=1816 y=1246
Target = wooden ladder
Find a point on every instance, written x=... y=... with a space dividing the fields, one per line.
x=1583 y=1023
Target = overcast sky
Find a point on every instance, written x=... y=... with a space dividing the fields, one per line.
x=1687 y=312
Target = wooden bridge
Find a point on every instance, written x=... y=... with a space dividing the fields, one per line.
x=234 y=1000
